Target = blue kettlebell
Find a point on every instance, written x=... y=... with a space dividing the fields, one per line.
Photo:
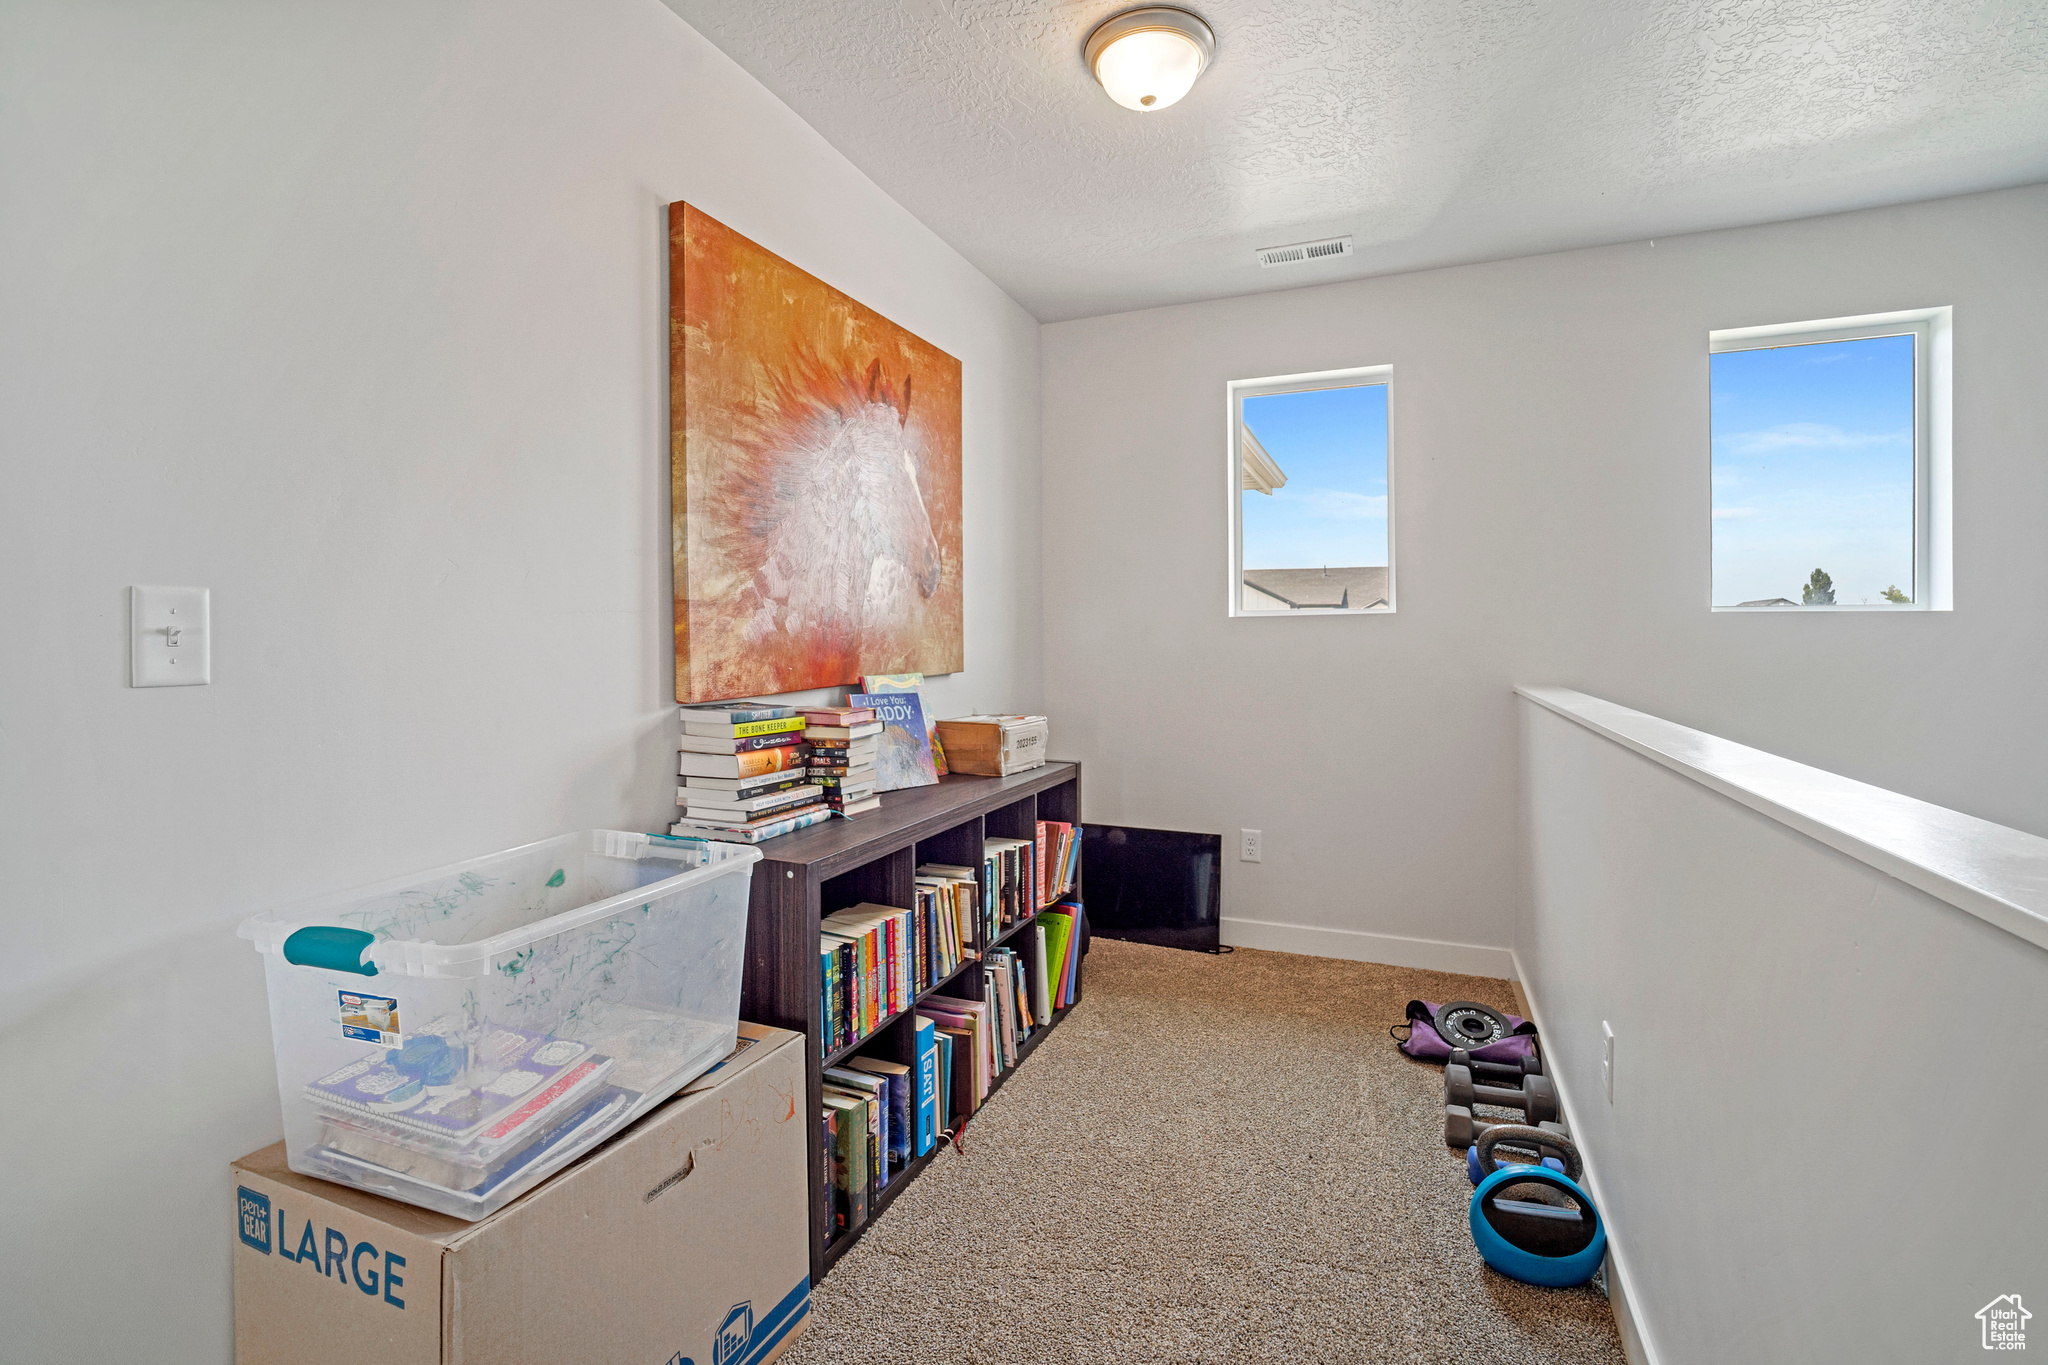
x=1475 y=1175
x=1532 y=1223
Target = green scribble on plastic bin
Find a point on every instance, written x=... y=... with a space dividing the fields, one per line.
x=516 y=964
x=557 y=879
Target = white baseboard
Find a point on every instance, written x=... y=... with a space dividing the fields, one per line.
x=1355 y=945
x=1635 y=1339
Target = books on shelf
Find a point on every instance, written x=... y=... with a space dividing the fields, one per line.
x=1062 y=924
x=1004 y=986
x=759 y=785
x=874 y=960
x=744 y=774
x=787 y=758
x=946 y=1097
x=725 y=744
x=848 y=793
x=925 y=1085
x=954 y=895
x=871 y=1128
x=752 y=831
x=734 y=712
x=970 y=1022
x=708 y=802
x=873 y=971
x=837 y=715
x=872 y=683
x=842 y=757
x=873 y=1089
x=866 y=729
x=1057 y=859
x=1011 y=876
x=740 y=720
x=749 y=729
x=1041 y=984
x=847 y=1130
x=902 y=1106
x=903 y=756
x=922 y=1012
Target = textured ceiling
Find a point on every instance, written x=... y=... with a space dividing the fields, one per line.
x=1433 y=131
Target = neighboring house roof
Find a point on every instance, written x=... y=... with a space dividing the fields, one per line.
x=1356 y=587
x=1262 y=474
x=1769 y=602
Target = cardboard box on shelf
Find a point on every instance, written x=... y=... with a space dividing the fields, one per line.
x=994 y=746
x=683 y=1241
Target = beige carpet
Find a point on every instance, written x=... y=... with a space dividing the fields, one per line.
x=1213 y=1159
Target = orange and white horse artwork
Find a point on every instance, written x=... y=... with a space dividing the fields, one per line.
x=817 y=504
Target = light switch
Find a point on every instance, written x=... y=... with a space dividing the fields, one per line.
x=169 y=642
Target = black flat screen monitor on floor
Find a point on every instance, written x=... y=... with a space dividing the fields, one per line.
x=1162 y=886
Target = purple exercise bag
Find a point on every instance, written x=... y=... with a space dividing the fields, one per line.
x=1426 y=1044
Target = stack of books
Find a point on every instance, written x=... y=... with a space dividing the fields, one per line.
x=745 y=773
x=843 y=741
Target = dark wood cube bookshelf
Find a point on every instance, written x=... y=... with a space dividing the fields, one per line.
x=805 y=876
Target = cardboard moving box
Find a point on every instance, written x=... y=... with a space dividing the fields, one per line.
x=994 y=746
x=683 y=1241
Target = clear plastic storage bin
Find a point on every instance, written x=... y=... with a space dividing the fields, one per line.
x=454 y=1037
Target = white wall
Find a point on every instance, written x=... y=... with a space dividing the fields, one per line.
x=1818 y=1143
x=1549 y=427
x=356 y=315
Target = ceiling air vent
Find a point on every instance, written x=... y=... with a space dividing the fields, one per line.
x=1304 y=251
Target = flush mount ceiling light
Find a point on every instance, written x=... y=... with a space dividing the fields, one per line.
x=1148 y=58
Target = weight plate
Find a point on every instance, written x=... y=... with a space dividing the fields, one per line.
x=1466 y=1024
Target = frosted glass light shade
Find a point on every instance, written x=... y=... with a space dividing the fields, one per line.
x=1148 y=58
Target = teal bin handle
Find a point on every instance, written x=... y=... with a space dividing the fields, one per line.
x=332 y=947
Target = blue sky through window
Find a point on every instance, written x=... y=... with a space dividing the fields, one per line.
x=1813 y=468
x=1332 y=445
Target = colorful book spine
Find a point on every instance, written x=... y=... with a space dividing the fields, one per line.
x=733 y=834
x=745 y=729
x=926 y=1049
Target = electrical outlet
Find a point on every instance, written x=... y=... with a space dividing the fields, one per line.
x=1607 y=1058
x=1249 y=848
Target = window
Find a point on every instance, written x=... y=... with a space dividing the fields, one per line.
x=1311 y=495
x=1830 y=449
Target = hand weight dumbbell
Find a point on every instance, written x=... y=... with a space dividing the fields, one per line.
x=1531 y=1064
x=1462 y=1130
x=1536 y=1097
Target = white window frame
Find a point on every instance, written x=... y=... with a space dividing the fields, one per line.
x=1235 y=392
x=1933 y=482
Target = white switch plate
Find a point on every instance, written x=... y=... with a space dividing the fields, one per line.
x=169 y=637
x=1249 y=849
x=1607 y=1058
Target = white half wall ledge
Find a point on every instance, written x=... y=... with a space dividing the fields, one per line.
x=1998 y=874
x=1356 y=945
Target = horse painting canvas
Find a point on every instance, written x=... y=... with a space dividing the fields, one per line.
x=815 y=474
